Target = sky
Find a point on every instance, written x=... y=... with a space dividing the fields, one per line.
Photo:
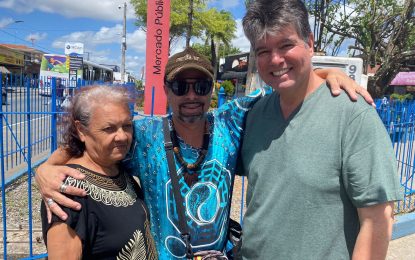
x=48 y=24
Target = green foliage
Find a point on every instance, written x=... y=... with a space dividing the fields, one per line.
x=229 y=87
x=211 y=25
x=325 y=13
x=178 y=16
x=223 y=50
x=214 y=101
x=139 y=84
x=383 y=32
x=219 y=25
x=202 y=49
x=401 y=98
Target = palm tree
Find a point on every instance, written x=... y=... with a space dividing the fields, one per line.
x=189 y=23
x=220 y=28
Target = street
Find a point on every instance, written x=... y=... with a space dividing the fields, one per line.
x=15 y=128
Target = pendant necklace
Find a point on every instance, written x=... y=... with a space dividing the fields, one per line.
x=190 y=179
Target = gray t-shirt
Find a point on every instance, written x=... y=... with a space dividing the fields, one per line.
x=308 y=174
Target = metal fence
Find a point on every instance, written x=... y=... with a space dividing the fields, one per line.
x=399 y=120
x=32 y=113
x=31 y=121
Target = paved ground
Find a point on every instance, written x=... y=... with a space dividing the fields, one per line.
x=399 y=249
x=402 y=248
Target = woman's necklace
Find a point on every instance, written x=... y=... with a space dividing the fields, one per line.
x=190 y=179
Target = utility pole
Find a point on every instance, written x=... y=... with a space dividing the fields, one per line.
x=87 y=57
x=32 y=39
x=123 y=44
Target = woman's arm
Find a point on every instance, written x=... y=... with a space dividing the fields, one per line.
x=63 y=243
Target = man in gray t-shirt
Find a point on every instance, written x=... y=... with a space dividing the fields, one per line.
x=322 y=172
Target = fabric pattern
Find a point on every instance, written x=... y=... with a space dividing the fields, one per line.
x=207 y=202
x=101 y=223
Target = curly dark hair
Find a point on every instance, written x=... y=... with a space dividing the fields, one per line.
x=81 y=110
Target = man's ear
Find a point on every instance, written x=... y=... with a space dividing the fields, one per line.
x=80 y=129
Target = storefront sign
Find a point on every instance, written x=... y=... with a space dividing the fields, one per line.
x=74 y=48
x=75 y=63
x=10 y=57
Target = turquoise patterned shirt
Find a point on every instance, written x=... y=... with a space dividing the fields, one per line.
x=207 y=202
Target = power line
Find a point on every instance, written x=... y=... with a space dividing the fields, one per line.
x=29 y=42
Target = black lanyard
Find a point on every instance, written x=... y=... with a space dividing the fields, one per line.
x=168 y=146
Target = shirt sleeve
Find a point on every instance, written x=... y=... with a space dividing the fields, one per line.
x=77 y=220
x=369 y=167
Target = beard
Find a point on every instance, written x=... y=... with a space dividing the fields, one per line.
x=194 y=117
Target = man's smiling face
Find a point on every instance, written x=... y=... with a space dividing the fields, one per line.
x=284 y=59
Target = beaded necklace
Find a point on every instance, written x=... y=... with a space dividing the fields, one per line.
x=190 y=179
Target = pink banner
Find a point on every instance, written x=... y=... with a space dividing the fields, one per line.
x=157 y=53
x=404 y=79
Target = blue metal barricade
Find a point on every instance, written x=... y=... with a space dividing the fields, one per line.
x=31 y=120
x=399 y=119
x=31 y=124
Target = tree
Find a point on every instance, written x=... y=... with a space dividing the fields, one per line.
x=192 y=18
x=324 y=12
x=179 y=17
x=223 y=49
x=220 y=28
x=189 y=23
x=228 y=87
x=383 y=32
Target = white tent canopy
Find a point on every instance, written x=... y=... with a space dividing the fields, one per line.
x=4 y=70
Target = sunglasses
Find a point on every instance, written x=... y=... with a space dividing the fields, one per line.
x=201 y=87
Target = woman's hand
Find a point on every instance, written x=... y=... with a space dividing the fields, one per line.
x=338 y=80
x=49 y=179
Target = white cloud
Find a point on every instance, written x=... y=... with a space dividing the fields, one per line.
x=94 y=9
x=5 y=22
x=134 y=64
x=241 y=41
x=102 y=57
x=106 y=35
x=36 y=36
x=137 y=40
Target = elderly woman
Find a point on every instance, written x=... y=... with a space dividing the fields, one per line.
x=98 y=136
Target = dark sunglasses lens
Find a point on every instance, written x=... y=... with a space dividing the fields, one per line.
x=203 y=87
x=179 y=88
